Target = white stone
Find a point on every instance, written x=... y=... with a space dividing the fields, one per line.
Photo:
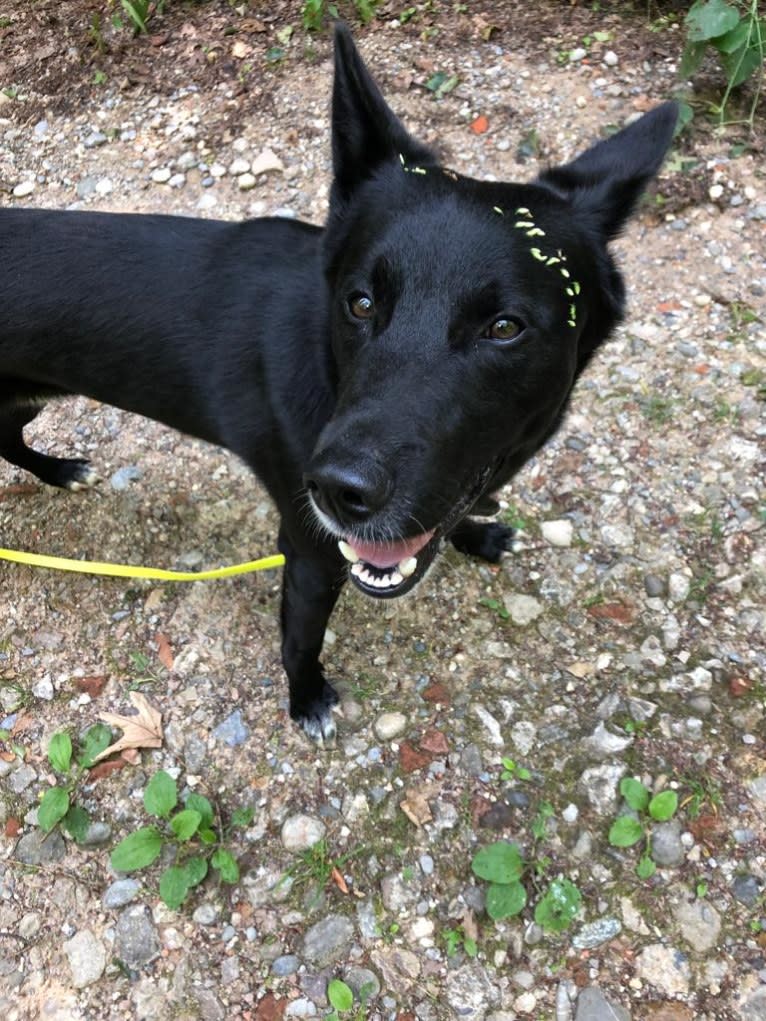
x=267 y=161
x=245 y=182
x=665 y=968
x=611 y=59
x=557 y=533
x=715 y=191
x=22 y=190
x=161 y=175
x=238 y=167
x=87 y=958
x=389 y=725
x=300 y=832
x=523 y=609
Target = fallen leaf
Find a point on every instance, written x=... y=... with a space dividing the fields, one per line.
x=580 y=669
x=415 y=807
x=480 y=125
x=739 y=686
x=240 y=50
x=164 y=651
x=102 y=769
x=340 y=882
x=612 y=611
x=669 y=306
x=25 y=722
x=92 y=686
x=468 y=922
x=144 y=730
x=251 y=25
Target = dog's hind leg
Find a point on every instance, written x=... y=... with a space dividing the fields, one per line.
x=68 y=473
x=310 y=589
x=485 y=539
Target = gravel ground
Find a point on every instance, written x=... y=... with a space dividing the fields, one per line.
x=623 y=637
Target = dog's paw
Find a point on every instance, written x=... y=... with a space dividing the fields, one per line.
x=486 y=540
x=77 y=475
x=316 y=720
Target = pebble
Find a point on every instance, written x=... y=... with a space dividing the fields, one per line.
x=577 y=54
x=246 y=182
x=667 y=848
x=593 y=934
x=136 y=941
x=96 y=834
x=239 y=167
x=44 y=689
x=699 y=923
x=206 y=914
x=87 y=958
x=611 y=59
x=232 y=731
x=389 y=725
x=327 y=941
x=285 y=965
x=21 y=778
x=754 y=1006
x=38 y=848
x=592 y=1005
x=119 y=893
x=301 y=1007
x=602 y=743
x=362 y=982
x=468 y=991
x=300 y=832
x=557 y=533
x=522 y=609
x=95 y=139
x=162 y=175
x=122 y=478
x=665 y=968
x=746 y=889
x=599 y=785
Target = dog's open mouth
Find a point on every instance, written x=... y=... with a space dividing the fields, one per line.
x=388 y=569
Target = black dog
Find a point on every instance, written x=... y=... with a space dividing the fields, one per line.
x=397 y=366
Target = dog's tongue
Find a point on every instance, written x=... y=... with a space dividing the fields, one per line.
x=388 y=554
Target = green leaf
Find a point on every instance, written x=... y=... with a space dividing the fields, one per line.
x=76 y=823
x=208 y=836
x=95 y=740
x=645 y=868
x=634 y=792
x=174 y=885
x=185 y=823
x=226 y=864
x=663 y=806
x=625 y=832
x=559 y=906
x=60 y=752
x=196 y=870
x=339 y=995
x=137 y=850
x=710 y=19
x=200 y=804
x=738 y=38
x=470 y=946
x=242 y=817
x=505 y=899
x=161 y=795
x=53 y=807
x=740 y=65
x=498 y=863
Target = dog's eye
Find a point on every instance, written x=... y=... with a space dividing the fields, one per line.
x=361 y=306
x=505 y=329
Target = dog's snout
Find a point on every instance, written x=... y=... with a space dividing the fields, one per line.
x=349 y=494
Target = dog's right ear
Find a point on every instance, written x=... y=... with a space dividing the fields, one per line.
x=365 y=131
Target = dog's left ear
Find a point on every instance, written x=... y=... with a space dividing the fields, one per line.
x=365 y=131
x=607 y=180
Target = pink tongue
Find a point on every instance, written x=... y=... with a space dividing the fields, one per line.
x=388 y=554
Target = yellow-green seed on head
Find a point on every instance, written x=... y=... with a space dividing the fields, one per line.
x=418 y=170
x=570 y=292
x=537 y=254
x=523 y=223
x=571 y=322
x=523 y=211
x=552 y=261
x=535 y=233
x=564 y=272
x=498 y=210
x=576 y=287
x=572 y=312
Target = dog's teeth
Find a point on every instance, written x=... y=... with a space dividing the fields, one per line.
x=357 y=568
x=408 y=567
x=347 y=552
x=396 y=578
x=365 y=576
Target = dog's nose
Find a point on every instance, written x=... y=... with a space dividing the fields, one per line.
x=350 y=495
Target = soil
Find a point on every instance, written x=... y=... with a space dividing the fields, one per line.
x=632 y=647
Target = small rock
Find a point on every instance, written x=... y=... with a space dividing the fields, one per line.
x=667 y=849
x=44 y=688
x=746 y=889
x=611 y=59
x=136 y=942
x=97 y=833
x=21 y=778
x=754 y=1007
x=162 y=175
x=95 y=139
x=120 y=893
x=232 y=731
x=177 y=181
x=38 y=848
x=362 y=982
x=285 y=965
x=302 y=1007
x=599 y=785
x=758 y=789
x=522 y=609
x=206 y=914
x=602 y=743
x=715 y=191
x=86 y=186
x=557 y=533
x=700 y=924
x=593 y=934
x=239 y=167
x=327 y=941
x=665 y=968
x=592 y=1005
x=87 y=958
x=122 y=478
x=24 y=189
x=389 y=725
x=469 y=992
x=265 y=162
x=678 y=587
x=577 y=54
x=300 y=832
x=246 y=182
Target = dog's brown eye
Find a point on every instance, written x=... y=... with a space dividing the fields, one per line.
x=504 y=329
x=361 y=306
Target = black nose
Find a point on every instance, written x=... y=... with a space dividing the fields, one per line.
x=349 y=494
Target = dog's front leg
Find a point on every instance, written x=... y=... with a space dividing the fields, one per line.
x=487 y=540
x=310 y=589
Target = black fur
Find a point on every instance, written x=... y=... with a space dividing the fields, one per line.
x=370 y=364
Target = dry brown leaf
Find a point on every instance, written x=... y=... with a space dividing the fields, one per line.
x=144 y=730
x=468 y=922
x=415 y=807
x=340 y=882
x=24 y=722
x=164 y=651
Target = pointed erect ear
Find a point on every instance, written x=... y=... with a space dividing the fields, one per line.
x=365 y=132
x=606 y=182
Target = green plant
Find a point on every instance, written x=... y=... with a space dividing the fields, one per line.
x=737 y=34
x=512 y=516
x=628 y=830
x=503 y=867
x=315 y=12
x=341 y=999
x=189 y=831
x=701 y=793
x=456 y=938
x=496 y=605
x=58 y=804
x=513 y=771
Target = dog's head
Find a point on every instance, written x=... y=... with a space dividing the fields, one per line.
x=462 y=313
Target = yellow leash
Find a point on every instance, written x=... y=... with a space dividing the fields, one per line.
x=128 y=571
